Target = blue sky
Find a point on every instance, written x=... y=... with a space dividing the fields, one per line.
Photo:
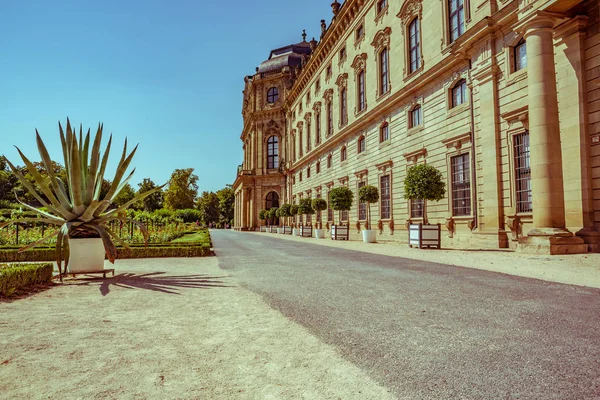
x=166 y=74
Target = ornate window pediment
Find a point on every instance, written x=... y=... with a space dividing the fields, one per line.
x=299 y=125
x=328 y=95
x=409 y=10
x=360 y=62
x=342 y=80
x=307 y=117
x=317 y=107
x=382 y=39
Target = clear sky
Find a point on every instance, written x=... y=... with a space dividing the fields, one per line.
x=166 y=74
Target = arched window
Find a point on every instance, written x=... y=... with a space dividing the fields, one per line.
x=459 y=93
x=273 y=152
x=343 y=106
x=456 y=18
x=272 y=200
x=343 y=154
x=414 y=45
x=384 y=132
x=416 y=116
x=520 y=55
x=384 y=72
x=272 y=95
x=361 y=144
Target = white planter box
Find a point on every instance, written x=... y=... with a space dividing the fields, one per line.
x=320 y=233
x=306 y=231
x=263 y=228
x=295 y=232
x=422 y=236
x=286 y=230
x=86 y=255
x=369 y=235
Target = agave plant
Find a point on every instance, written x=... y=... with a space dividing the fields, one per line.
x=75 y=206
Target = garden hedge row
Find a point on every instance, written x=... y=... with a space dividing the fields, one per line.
x=17 y=276
x=157 y=250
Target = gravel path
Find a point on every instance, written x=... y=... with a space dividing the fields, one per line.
x=165 y=329
x=427 y=330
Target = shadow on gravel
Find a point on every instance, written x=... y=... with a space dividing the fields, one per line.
x=154 y=281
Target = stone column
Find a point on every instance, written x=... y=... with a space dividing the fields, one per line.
x=549 y=233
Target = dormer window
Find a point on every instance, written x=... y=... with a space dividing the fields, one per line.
x=272 y=95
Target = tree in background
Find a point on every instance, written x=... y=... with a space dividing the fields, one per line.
x=226 y=203
x=8 y=182
x=182 y=190
x=126 y=194
x=155 y=200
x=208 y=205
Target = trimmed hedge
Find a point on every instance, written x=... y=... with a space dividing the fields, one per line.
x=18 y=276
x=154 y=250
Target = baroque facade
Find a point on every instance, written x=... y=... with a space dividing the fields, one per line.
x=502 y=96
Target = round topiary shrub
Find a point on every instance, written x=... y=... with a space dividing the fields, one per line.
x=424 y=182
x=368 y=194
x=305 y=207
x=294 y=209
x=273 y=213
x=340 y=198
x=263 y=215
x=319 y=205
x=285 y=210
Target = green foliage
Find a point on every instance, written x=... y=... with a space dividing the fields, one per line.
x=278 y=213
x=226 y=205
x=340 y=198
x=201 y=236
x=263 y=215
x=285 y=210
x=368 y=194
x=208 y=205
x=124 y=196
x=155 y=200
x=273 y=212
x=424 y=182
x=305 y=207
x=294 y=209
x=18 y=276
x=73 y=201
x=188 y=215
x=182 y=190
x=319 y=205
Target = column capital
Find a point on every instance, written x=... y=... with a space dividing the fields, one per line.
x=539 y=20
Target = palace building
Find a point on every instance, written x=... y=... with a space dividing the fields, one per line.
x=501 y=96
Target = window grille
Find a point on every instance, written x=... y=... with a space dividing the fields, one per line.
x=522 y=173
x=416 y=208
x=385 y=197
x=461 y=185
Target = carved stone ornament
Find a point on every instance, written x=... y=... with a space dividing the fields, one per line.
x=471 y=224
x=358 y=226
x=328 y=95
x=342 y=80
x=451 y=226
x=409 y=10
x=317 y=107
x=300 y=124
x=307 y=117
x=382 y=39
x=272 y=124
x=380 y=226
x=514 y=224
x=359 y=63
x=391 y=226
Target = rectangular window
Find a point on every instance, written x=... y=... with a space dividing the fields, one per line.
x=317 y=85
x=362 y=207
x=300 y=176
x=360 y=32
x=329 y=210
x=457 y=18
x=361 y=91
x=384 y=133
x=308 y=172
x=329 y=119
x=461 y=185
x=344 y=106
x=383 y=69
x=344 y=216
x=522 y=173
x=318 y=128
x=342 y=54
x=416 y=118
x=414 y=45
x=308 y=141
x=300 y=150
x=385 y=197
x=328 y=72
x=416 y=208
x=520 y=55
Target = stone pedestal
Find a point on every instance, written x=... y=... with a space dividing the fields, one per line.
x=552 y=244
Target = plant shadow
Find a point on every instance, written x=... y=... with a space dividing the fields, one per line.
x=155 y=281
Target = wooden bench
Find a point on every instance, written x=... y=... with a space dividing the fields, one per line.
x=339 y=232
x=306 y=231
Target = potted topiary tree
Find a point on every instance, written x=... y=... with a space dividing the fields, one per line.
x=427 y=183
x=273 y=219
x=294 y=212
x=77 y=205
x=368 y=194
x=263 y=215
x=305 y=208
x=319 y=205
x=285 y=212
x=340 y=199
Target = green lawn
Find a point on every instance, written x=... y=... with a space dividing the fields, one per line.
x=201 y=236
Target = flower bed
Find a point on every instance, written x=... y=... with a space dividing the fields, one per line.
x=18 y=276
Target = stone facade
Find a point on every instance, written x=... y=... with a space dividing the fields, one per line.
x=505 y=104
